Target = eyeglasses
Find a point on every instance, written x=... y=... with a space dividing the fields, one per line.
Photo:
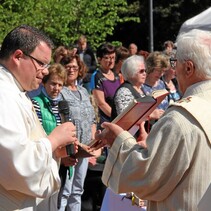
x=74 y=68
x=41 y=64
x=173 y=62
x=107 y=58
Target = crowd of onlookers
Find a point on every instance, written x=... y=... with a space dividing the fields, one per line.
x=59 y=148
x=98 y=86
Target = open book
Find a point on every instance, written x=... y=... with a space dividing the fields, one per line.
x=139 y=110
x=136 y=112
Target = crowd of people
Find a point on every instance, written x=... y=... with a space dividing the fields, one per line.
x=159 y=164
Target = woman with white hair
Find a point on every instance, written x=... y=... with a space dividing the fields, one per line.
x=134 y=74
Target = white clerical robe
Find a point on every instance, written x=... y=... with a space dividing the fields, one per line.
x=28 y=171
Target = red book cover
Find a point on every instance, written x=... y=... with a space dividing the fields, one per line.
x=139 y=110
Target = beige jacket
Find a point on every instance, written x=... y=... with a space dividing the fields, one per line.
x=175 y=171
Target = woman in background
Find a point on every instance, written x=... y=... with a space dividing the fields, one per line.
x=170 y=81
x=105 y=82
x=46 y=107
x=59 y=53
x=122 y=53
x=157 y=64
x=134 y=74
x=83 y=116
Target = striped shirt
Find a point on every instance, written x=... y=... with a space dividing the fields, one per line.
x=54 y=109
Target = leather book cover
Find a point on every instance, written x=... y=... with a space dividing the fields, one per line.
x=139 y=110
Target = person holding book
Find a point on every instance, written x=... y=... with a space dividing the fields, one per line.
x=174 y=172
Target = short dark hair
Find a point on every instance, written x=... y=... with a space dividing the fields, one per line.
x=104 y=49
x=25 y=38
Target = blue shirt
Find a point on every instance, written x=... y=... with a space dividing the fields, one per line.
x=149 y=89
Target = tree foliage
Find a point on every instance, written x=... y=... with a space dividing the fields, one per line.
x=65 y=20
x=121 y=21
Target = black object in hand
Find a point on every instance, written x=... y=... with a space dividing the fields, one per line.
x=65 y=113
x=70 y=149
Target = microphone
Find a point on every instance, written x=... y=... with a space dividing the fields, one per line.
x=64 y=111
x=65 y=115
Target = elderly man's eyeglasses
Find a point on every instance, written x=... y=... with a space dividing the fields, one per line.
x=173 y=62
x=41 y=64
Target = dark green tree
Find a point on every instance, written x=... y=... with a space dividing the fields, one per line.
x=118 y=21
x=65 y=20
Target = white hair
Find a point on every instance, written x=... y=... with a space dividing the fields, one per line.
x=131 y=66
x=195 y=45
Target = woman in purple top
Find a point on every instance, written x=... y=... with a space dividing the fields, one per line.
x=104 y=81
